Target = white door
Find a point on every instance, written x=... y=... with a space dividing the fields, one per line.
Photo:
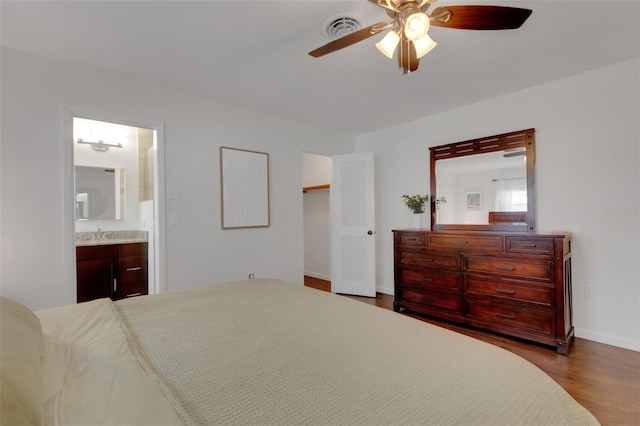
x=352 y=225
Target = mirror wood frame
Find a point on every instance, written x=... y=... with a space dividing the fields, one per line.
x=519 y=139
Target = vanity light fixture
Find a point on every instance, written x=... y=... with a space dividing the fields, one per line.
x=100 y=146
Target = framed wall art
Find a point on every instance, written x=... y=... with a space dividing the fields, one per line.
x=244 y=184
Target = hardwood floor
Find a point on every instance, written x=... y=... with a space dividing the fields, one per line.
x=604 y=379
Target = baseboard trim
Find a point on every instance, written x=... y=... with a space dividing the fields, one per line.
x=319 y=276
x=385 y=290
x=608 y=339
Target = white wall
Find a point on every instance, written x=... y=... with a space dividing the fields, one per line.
x=36 y=267
x=317 y=234
x=316 y=169
x=587 y=183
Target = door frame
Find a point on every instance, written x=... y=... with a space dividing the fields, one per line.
x=68 y=243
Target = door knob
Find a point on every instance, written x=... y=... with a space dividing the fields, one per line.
x=369 y=232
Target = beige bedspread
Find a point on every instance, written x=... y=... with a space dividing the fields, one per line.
x=269 y=352
x=90 y=376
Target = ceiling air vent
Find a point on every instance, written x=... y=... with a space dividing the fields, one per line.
x=340 y=26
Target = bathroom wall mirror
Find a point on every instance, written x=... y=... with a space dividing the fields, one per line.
x=100 y=193
x=484 y=184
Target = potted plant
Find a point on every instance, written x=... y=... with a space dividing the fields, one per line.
x=440 y=201
x=416 y=204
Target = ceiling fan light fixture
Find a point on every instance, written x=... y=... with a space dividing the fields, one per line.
x=416 y=26
x=388 y=44
x=424 y=45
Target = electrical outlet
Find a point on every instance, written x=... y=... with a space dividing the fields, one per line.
x=251 y=276
x=589 y=292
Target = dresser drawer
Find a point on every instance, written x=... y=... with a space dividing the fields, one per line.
x=531 y=269
x=132 y=269
x=529 y=245
x=466 y=242
x=427 y=259
x=509 y=290
x=411 y=239
x=522 y=318
x=433 y=279
x=132 y=289
x=425 y=298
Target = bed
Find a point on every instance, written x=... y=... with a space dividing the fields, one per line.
x=261 y=352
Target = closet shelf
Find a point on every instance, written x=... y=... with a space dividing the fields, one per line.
x=315 y=188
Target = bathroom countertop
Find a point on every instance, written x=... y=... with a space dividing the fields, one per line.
x=110 y=237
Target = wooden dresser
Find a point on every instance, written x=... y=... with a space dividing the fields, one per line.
x=518 y=284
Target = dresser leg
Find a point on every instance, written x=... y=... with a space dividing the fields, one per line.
x=396 y=307
x=562 y=346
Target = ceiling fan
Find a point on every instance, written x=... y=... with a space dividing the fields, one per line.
x=410 y=24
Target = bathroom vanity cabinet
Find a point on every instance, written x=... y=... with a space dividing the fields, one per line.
x=116 y=271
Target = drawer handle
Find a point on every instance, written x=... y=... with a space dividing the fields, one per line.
x=136 y=268
x=424 y=259
x=133 y=294
x=505 y=268
x=412 y=239
x=426 y=279
x=463 y=242
x=529 y=246
x=506 y=316
x=500 y=290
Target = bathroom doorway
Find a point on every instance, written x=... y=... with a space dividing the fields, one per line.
x=115 y=187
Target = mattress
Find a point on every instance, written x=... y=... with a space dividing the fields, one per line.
x=270 y=352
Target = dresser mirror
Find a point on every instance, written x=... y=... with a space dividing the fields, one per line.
x=100 y=193
x=484 y=184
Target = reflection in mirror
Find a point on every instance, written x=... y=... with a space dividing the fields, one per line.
x=484 y=184
x=476 y=185
x=100 y=193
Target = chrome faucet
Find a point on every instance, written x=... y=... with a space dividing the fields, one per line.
x=99 y=234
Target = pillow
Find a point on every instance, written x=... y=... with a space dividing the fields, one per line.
x=20 y=365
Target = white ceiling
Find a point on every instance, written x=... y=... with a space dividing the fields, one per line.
x=254 y=53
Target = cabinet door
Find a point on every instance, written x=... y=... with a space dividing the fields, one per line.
x=95 y=279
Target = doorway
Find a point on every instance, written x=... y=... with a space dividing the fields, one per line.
x=316 y=173
x=339 y=222
x=127 y=155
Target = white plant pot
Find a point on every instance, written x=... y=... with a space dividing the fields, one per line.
x=417 y=220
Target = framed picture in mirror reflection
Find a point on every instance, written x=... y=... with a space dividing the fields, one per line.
x=474 y=201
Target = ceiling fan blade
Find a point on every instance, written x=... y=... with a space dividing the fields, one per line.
x=407 y=58
x=348 y=40
x=479 y=17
